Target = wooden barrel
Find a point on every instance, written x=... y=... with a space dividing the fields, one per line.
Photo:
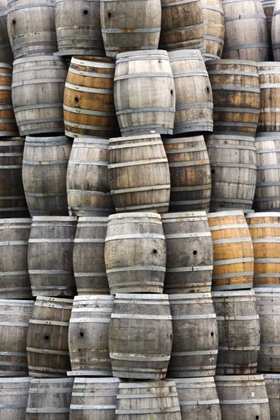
x=140 y=336
x=6 y=52
x=273 y=10
x=88 y=256
x=269 y=75
x=198 y=398
x=44 y=166
x=88 y=103
x=148 y=400
x=267 y=194
x=214 y=29
x=50 y=256
x=130 y=25
x=243 y=397
x=268 y=8
x=272 y=384
x=47 y=338
x=265 y=233
x=31 y=27
x=13 y=397
x=139 y=176
x=233 y=266
x=8 y=125
x=78 y=29
x=135 y=253
x=234 y=170
x=181 y=25
x=49 y=398
x=89 y=335
x=268 y=307
x=144 y=93
x=239 y=332
x=194 y=99
x=37 y=94
x=94 y=398
x=88 y=190
x=14 y=319
x=236 y=95
x=190 y=173
x=195 y=332
x=189 y=251
x=246 y=36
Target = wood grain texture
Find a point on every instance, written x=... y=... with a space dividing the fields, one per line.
x=269 y=75
x=13 y=397
x=273 y=391
x=214 y=29
x=5 y=46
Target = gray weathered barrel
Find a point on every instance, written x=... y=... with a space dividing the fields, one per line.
x=189 y=252
x=272 y=384
x=49 y=398
x=272 y=11
x=5 y=46
x=239 y=332
x=8 y=125
x=135 y=253
x=88 y=338
x=140 y=336
x=88 y=256
x=214 y=29
x=13 y=397
x=195 y=336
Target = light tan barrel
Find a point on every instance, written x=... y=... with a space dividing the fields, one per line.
x=246 y=36
x=6 y=52
x=130 y=25
x=269 y=75
x=214 y=29
x=148 y=400
x=88 y=256
x=144 y=93
x=198 y=398
x=47 y=338
x=37 y=94
x=94 y=398
x=273 y=8
x=239 y=332
x=88 y=337
x=272 y=385
x=236 y=95
x=139 y=176
x=234 y=170
x=13 y=397
x=49 y=398
x=193 y=354
x=44 y=166
x=135 y=253
x=8 y=125
x=88 y=190
x=189 y=251
x=233 y=266
x=242 y=397
x=78 y=29
x=140 y=336
x=14 y=319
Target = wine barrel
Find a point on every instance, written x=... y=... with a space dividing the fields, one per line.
x=88 y=256
x=47 y=338
x=144 y=93
x=13 y=397
x=198 y=398
x=233 y=266
x=272 y=385
x=49 y=398
x=130 y=25
x=195 y=330
x=8 y=125
x=78 y=30
x=246 y=36
x=44 y=166
x=139 y=176
x=239 y=332
x=236 y=95
x=148 y=400
x=6 y=52
x=214 y=29
x=190 y=173
x=273 y=9
x=88 y=191
x=140 y=336
x=135 y=253
x=268 y=8
x=234 y=170
x=243 y=397
x=89 y=335
x=50 y=256
x=269 y=75
x=14 y=319
x=37 y=94
x=189 y=251
x=88 y=102
x=94 y=398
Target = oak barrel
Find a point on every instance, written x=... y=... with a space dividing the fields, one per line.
x=13 y=397
x=272 y=385
x=269 y=75
x=272 y=11
x=8 y=125
x=6 y=52
x=135 y=253
x=139 y=176
x=214 y=29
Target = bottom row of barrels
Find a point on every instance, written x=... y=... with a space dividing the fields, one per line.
x=223 y=397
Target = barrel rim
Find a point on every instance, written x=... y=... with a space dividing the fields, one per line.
x=142 y=296
x=144 y=53
x=187 y=214
x=54 y=218
x=138 y=137
x=234 y=293
x=263 y=214
x=232 y=61
x=127 y=215
x=226 y=213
